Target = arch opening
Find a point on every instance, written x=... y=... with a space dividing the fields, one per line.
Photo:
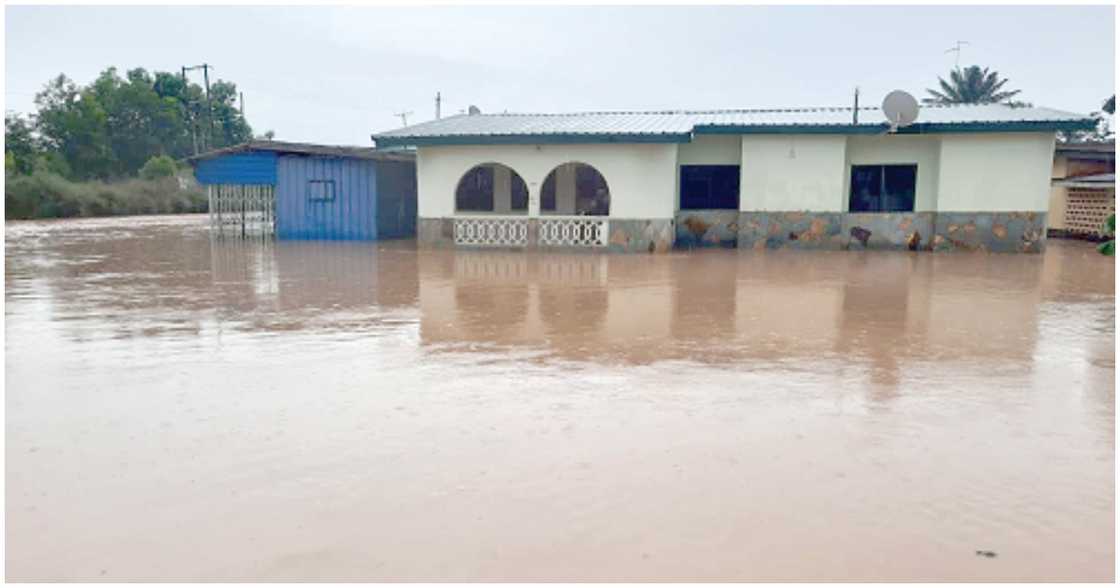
x=492 y=188
x=575 y=189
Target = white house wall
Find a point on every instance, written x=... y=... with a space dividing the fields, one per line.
x=641 y=177
x=792 y=172
x=922 y=150
x=995 y=172
x=974 y=190
x=712 y=150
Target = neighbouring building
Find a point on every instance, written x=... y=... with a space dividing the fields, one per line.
x=962 y=177
x=1082 y=189
x=302 y=191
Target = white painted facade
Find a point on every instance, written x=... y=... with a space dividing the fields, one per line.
x=995 y=172
x=969 y=172
x=792 y=172
x=641 y=177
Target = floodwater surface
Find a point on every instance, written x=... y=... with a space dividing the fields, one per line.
x=186 y=409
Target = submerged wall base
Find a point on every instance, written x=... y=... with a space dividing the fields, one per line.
x=623 y=236
x=1023 y=232
x=915 y=231
x=707 y=228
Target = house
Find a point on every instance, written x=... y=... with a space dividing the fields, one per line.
x=304 y=191
x=1082 y=189
x=961 y=177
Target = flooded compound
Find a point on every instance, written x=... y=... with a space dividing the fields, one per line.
x=186 y=409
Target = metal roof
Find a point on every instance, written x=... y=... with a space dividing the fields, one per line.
x=676 y=126
x=1099 y=151
x=309 y=149
x=1093 y=181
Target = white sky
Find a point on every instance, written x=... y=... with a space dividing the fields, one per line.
x=337 y=74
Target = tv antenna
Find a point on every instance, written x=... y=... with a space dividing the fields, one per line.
x=404 y=117
x=957 y=49
x=900 y=108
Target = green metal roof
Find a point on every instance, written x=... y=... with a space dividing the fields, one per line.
x=678 y=126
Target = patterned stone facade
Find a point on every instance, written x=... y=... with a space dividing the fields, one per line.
x=707 y=228
x=1022 y=232
x=915 y=231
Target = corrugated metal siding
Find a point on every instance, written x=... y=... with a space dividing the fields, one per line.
x=396 y=199
x=350 y=216
x=238 y=168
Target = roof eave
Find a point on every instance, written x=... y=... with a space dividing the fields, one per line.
x=733 y=129
x=545 y=139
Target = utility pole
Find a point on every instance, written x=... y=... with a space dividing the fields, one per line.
x=957 y=49
x=437 y=105
x=209 y=111
x=241 y=96
x=404 y=117
x=209 y=139
x=190 y=113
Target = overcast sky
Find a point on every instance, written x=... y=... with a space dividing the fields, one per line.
x=335 y=74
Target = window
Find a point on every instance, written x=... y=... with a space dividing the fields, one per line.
x=320 y=190
x=575 y=188
x=709 y=187
x=476 y=190
x=883 y=188
x=482 y=190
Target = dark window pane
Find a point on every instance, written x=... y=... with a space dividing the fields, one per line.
x=883 y=188
x=867 y=183
x=899 y=187
x=476 y=190
x=709 y=187
x=548 y=192
x=519 y=193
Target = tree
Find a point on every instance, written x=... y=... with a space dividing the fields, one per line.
x=113 y=126
x=160 y=166
x=971 y=85
x=1102 y=132
x=230 y=127
x=72 y=123
x=20 y=144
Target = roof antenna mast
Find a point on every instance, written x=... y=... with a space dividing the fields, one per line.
x=957 y=49
x=855 y=109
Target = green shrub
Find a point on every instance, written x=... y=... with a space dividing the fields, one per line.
x=46 y=195
x=160 y=166
x=1109 y=230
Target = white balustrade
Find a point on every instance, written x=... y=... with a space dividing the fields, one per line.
x=492 y=231
x=573 y=231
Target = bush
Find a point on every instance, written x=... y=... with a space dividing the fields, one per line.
x=160 y=166
x=47 y=195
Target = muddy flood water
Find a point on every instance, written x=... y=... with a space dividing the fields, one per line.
x=182 y=409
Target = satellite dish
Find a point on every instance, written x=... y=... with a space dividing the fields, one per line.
x=900 y=108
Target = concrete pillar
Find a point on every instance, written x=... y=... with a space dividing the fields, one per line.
x=566 y=189
x=502 y=190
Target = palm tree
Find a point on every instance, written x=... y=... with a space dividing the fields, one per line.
x=971 y=85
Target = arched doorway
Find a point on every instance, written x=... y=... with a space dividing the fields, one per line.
x=492 y=188
x=575 y=189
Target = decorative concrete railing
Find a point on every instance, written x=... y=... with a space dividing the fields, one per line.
x=573 y=231
x=492 y=231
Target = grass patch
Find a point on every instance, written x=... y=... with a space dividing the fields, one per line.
x=47 y=195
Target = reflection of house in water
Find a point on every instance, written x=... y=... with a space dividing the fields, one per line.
x=882 y=313
x=578 y=306
x=287 y=283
